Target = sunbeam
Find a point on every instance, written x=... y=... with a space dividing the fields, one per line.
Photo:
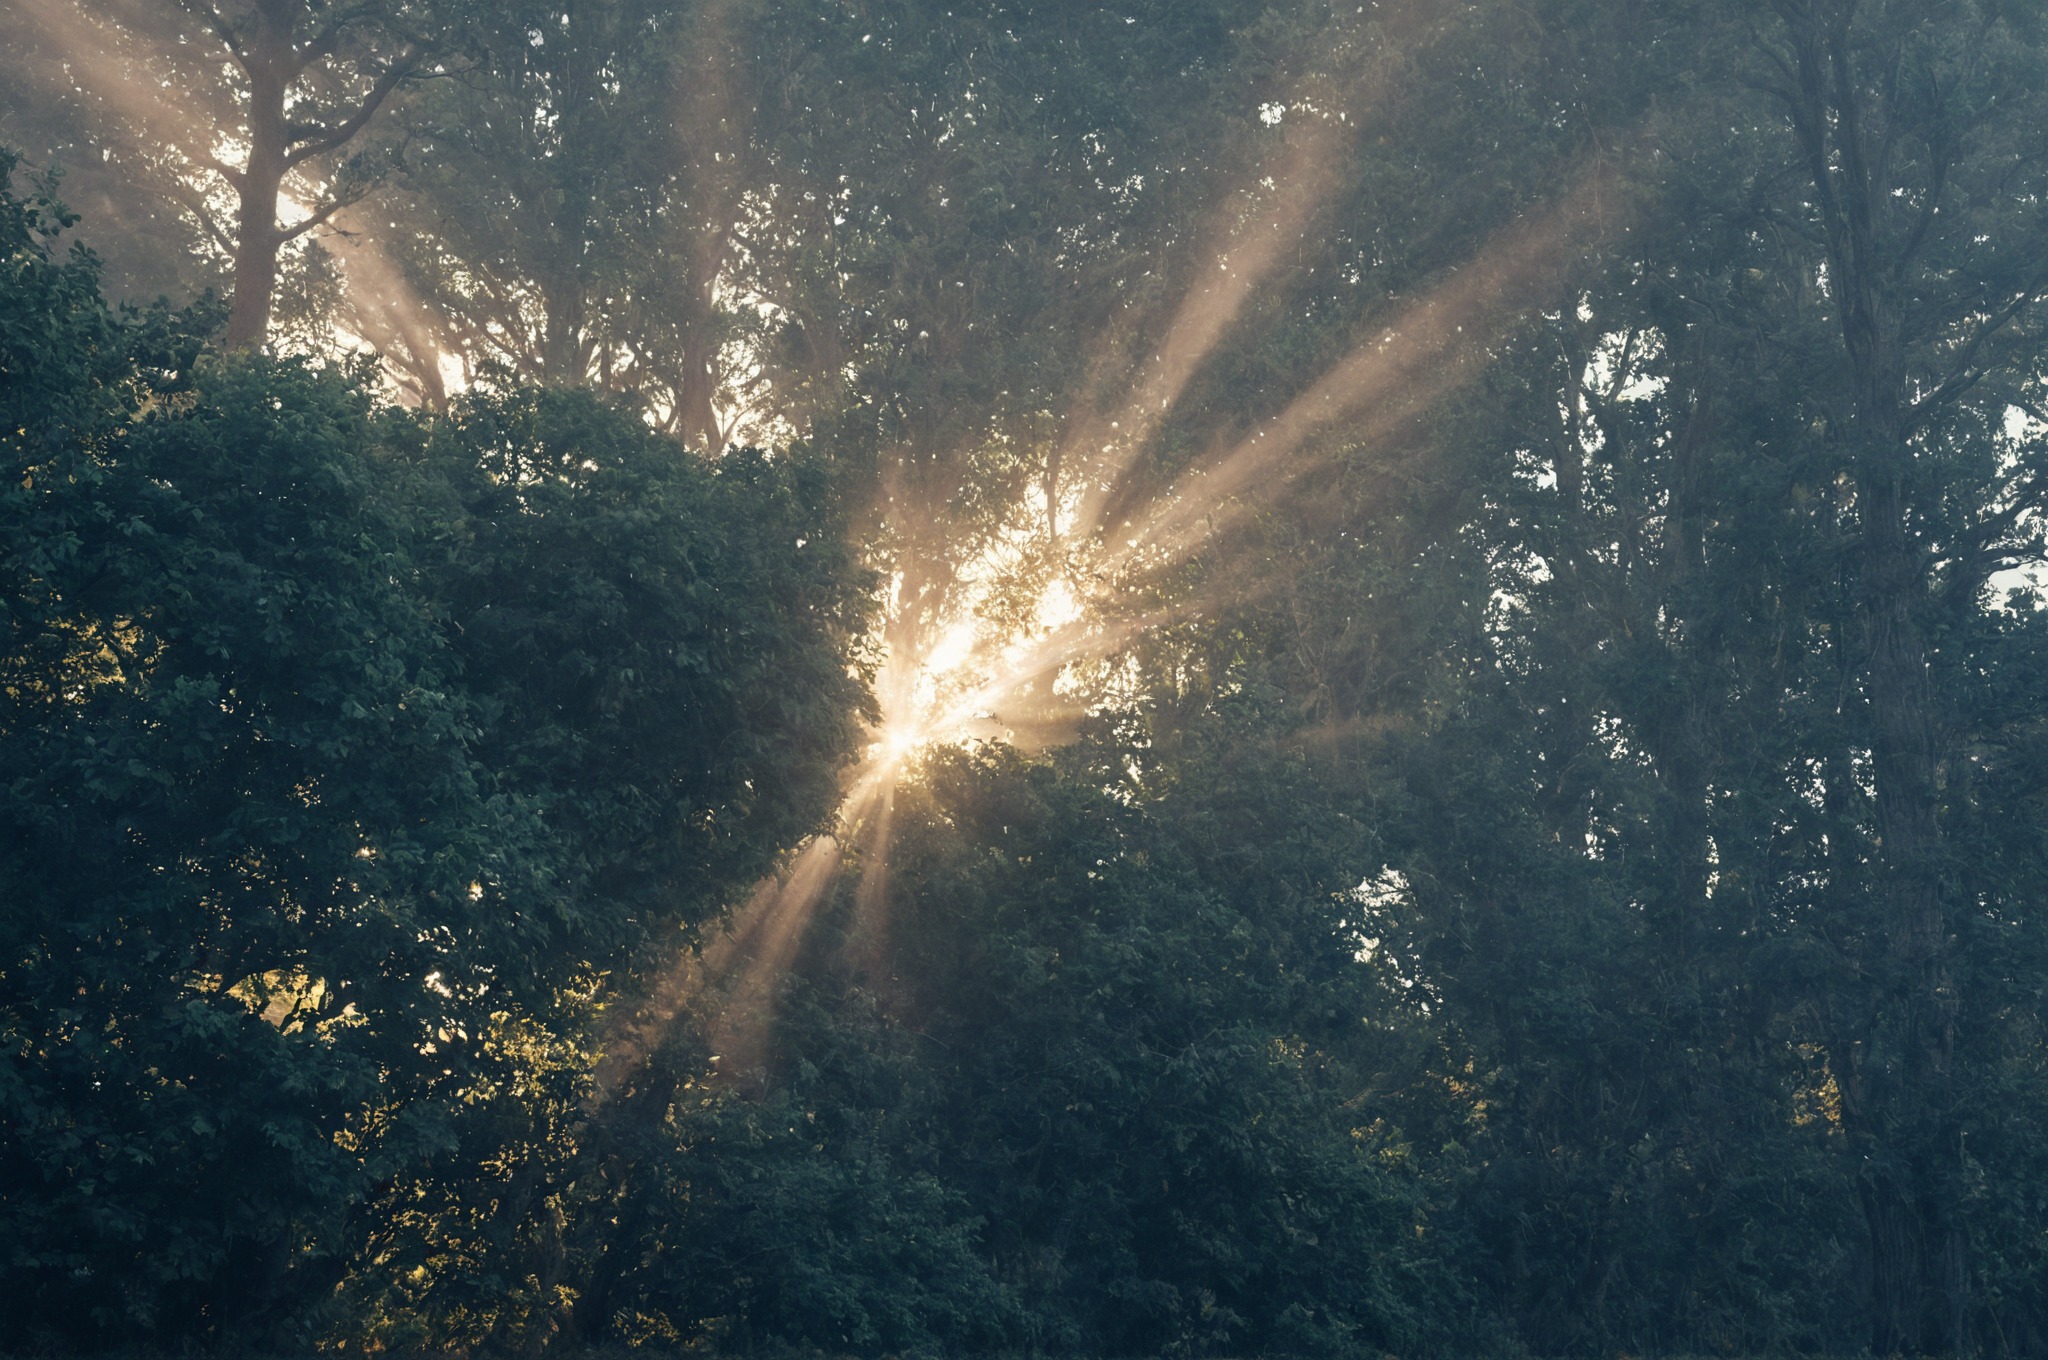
x=853 y=678
x=951 y=674
x=1293 y=186
x=381 y=309
x=1413 y=361
x=1249 y=235
x=111 y=66
x=748 y=961
x=387 y=314
x=974 y=649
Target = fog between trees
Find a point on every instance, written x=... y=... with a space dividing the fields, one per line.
x=1191 y=679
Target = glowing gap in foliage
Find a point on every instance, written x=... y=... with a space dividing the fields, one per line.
x=950 y=674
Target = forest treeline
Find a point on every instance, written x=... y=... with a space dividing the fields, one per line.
x=1541 y=854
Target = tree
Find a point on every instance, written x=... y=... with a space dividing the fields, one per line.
x=312 y=77
x=1090 y=1082
x=540 y=217
x=263 y=103
x=1743 y=661
x=1924 y=197
x=346 y=757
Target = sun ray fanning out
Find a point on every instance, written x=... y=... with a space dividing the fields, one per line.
x=1413 y=361
x=975 y=649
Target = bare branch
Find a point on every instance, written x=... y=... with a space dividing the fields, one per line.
x=320 y=141
x=1964 y=374
x=231 y=174
x=317 y=217
x=196 y=206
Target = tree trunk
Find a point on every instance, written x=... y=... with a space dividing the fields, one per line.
x=268 y=60
x=1916 y=1243
x=1903 y=1120
x=697 y=392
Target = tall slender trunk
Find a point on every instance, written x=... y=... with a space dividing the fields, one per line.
x=268 y=61
x=697 y=416
x=1903 y=1118
x=697 y=390
x=1917 y=1249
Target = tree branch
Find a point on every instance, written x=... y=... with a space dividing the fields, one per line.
x=324 y=43
x=225 y=31
x=220 y=167
x=316 y=218
x=320 y=141
x=195 y=205
x=1929 y=207
x=1962 y=376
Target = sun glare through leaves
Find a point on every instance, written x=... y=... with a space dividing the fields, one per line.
x=977 y=667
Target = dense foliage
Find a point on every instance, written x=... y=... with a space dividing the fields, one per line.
x=343 y=753
x=1534 y=845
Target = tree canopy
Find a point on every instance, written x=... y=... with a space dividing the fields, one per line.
x=1198 y=679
